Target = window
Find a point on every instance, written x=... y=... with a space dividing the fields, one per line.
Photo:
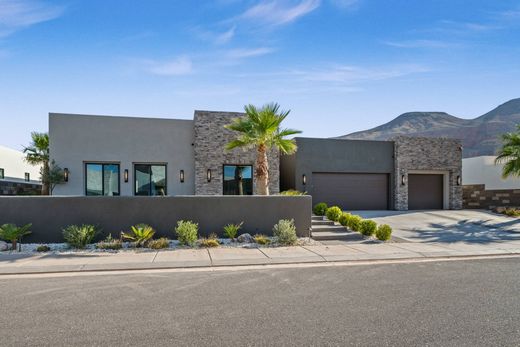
x=150 y=179
x=101 y=179
x=27 y=177
x=2 y=176
x=238 y=180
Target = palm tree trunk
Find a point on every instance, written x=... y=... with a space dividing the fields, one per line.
x=45 y=178
x=262 y=171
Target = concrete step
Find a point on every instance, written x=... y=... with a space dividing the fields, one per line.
x=314 y=217
x=345 y=236
x=331 y=228
x=322 y=222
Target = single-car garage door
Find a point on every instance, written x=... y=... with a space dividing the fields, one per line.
x=425 y=192
x=351 y=191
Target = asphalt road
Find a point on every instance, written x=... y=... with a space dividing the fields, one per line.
x=455 y=303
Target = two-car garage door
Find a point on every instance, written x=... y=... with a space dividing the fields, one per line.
x=351 y=191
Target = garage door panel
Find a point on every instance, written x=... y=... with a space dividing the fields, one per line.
x=425 y=191
x=351 y=191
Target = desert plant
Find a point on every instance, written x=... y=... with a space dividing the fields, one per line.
x=333 y=213
x=43 y=248
x=37 y=153
x=292 y=192
x=344 y=219
x=262 y=239
x=384 y=232
x=139 y=234
x=13 y=233
x=509 y=154
x=110 y=243
x=231 y=230
x=354 y=222
x=187 y=232
x=368 y=227
x=285 y=232
x=79 y=236
x=512 y=212
x=163 y=242
x=210 y=241
x=320 y=209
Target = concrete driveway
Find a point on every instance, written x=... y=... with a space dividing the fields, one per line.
x=447 y=226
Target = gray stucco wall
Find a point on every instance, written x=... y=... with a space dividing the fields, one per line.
x=49 y=215
x=210 y=140
x=76 y=139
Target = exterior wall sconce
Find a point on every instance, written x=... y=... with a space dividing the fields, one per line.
x=404 y=179
x=27 y=177
x=125 y=175
x=304 y=179
x=459 y=180
x=65 y=175
x=208 y=175
x=181 y=176
x=2 y=175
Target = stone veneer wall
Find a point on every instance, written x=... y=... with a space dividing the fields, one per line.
x=427 y=154
x=477 y=197
x=18 y=188
x=210 y=140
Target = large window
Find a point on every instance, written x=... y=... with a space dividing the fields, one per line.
x=102 y=179
x=150 y=179
x=238 y=180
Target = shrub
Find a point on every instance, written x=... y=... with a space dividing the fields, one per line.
x=292 y=192
x=139 y=234
x=354 y=222
x=368 y=227
x=163 y=242
x=333 y=213
x=79 y=236
x=43 y=248
x=262 y=239
x=320 y=209
x=512 y=212
x=13 y=233
x=285 y=232
x=384 y=232
x=109 y=243
x=231 y=230
x=187 y=232
x=345 y=219
x=210 y=241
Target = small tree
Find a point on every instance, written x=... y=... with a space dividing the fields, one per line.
x=54 y=176
x=37 y=153
x=13 y=233
x=509 y=154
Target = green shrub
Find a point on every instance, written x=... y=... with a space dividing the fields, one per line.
x=163 y=242
x=79 y=236
x=43 y=248
x=262 y=239
x=354 y=222
x=285 y=232
x=109 y=243
x=231 y=230
x=368 y=227
x=210 y=241
x=187 y=232
x=292 y=192
x=384 y=232
x=333 y=213
x=512 y=212
x=139 y=234
x=13 y=233
x=345 y=219
x=320 y=209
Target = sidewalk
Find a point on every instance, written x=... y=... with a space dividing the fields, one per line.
x=186 y=258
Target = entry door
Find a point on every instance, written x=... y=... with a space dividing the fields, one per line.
x=425 y=191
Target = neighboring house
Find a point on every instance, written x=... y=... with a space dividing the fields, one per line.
x=128 y=156
x=17 y=177
x=482 y=170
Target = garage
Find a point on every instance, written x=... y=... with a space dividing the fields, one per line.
x=351 y=191
x=425 y=191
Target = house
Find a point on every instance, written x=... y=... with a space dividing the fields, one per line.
x=127 y=156
x=17 y=177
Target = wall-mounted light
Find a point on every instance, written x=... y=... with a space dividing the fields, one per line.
x=27 y=177
x=125 y=175
x=2 y=174
x=304 y=179
x=459 y=180
x=404 y=179
x=181 y=176
x=208 y=175
x=65 y=175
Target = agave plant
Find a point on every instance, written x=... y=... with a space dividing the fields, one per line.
x=13 y=233
x=140 y=234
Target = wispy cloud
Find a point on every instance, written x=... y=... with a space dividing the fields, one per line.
x=19 y=14
x=279 y=12
x=345 y=4
x=241 y=53
x=225 y=37
x=419 y=44
x=179 y=66
x=216 y=37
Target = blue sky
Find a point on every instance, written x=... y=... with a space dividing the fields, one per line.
x=339 y=65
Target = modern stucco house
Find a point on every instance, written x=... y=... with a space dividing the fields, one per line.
x=126 y=156
x=17 y=177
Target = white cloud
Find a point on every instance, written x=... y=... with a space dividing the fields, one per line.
x=179 y=66
x=241 y=53
x=19 y=14
x=419 y=44
x=279 y=12
x=225 y=37
x=345 y=4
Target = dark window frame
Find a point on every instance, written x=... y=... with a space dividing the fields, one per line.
x=150 y=165
x=103 y=177
x=252 y=177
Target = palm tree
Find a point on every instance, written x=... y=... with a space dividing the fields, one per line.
x=38 y=154
x=260 y=129
x=509 y=154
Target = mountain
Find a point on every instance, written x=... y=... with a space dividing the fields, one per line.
x=480 y=136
